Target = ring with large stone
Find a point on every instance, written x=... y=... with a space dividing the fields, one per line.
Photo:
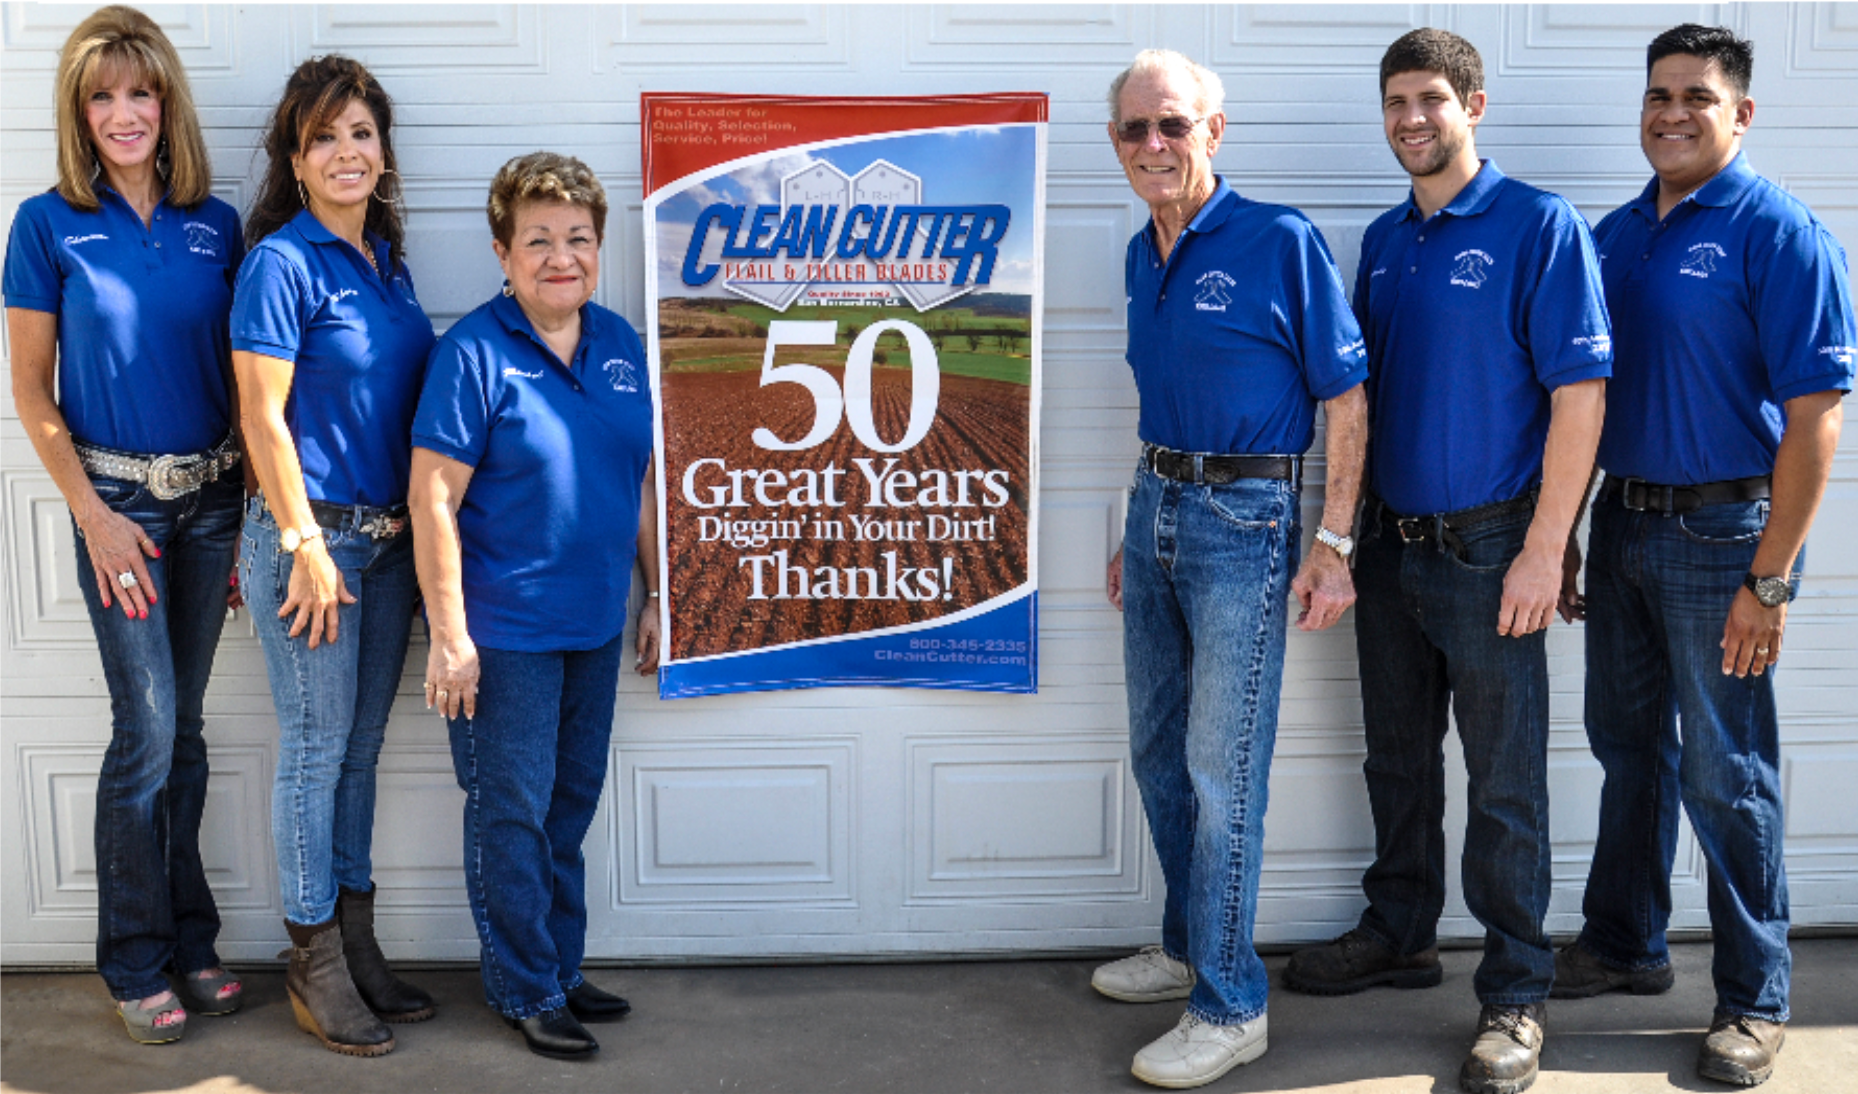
x=127 y=580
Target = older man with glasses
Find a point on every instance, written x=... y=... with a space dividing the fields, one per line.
x=1238 y=326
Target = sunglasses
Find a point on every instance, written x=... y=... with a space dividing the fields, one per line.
x=1173 y=127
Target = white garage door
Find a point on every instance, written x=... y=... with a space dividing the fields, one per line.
x=865 y=821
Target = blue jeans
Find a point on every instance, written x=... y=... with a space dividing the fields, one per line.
x=1426 y=636
x=531 y=765
x=1206 y=579
x=332 y=705
x=1658 y=594
x=154 y=909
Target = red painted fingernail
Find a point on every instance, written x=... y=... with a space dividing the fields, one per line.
x=157 y=551
x=143 y=615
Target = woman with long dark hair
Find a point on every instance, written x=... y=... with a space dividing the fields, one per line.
x=118 y=282
x=330 y=343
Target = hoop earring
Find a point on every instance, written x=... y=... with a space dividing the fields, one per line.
x=376 y=192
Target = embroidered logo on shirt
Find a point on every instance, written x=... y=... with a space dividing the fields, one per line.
x=72 y=241
x=1473 y=269
x=1597 y=344
x=1213 y=285
x=1841 y=355
x=1354 y=351
x=514 y=371
x=202 y=239
x=1702 y=260
x=622 y=374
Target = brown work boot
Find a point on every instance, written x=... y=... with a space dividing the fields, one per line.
x=387 y=995
x=1358 y=960
x=324 y=998
x=1507 y=1051
x=1740 y=1049
x=1581 y=973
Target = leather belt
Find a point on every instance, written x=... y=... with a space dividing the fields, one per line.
x=167 y=477
x=367 y=520
x=1218 y=470
x=1443 y=528
x=1650 y=497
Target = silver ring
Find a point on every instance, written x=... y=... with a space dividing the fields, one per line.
x=443 y=692
x=127 y=580
x=1761 y=649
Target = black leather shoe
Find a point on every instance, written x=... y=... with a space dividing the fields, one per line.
x=555 y=1034
x=590 y=1004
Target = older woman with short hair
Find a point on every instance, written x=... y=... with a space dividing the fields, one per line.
x=531 y=486
x=118 y=284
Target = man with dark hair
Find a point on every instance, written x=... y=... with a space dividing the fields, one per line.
x=1488 y=354
x=1733 y=313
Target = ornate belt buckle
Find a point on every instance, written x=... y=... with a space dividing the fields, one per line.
x=162 y=478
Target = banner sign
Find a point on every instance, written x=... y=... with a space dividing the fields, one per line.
x=843 y=300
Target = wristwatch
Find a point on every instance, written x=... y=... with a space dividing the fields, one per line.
x=1342 y=545
x=1771 y=591
x=291 y=539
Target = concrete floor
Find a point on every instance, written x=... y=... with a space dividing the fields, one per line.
x=1017 y=1026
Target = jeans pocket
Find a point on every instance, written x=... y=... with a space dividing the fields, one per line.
x=1490 y=548
x=1251 y=504
x=1739 y=522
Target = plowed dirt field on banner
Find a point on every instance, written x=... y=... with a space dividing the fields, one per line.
x=980 y=426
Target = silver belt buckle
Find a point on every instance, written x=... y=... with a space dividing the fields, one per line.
x=162 y=474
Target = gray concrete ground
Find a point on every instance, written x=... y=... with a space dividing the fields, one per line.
x=1018 y=1026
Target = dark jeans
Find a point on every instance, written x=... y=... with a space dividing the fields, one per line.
x=154 y=909
x=531 y=765
x=1426 y=634
x=1658 y=594
x=1206 y=583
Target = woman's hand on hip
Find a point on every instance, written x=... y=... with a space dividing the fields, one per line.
x=118 y=547
x=451 y=676
x=317 y=593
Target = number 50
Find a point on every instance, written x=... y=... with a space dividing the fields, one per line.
x=828 y=405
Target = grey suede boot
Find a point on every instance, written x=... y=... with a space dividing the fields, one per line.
x=387 y=995
x=324 y=998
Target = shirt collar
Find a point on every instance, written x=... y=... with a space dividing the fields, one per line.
x=1723 y=188
x=1470 y=201
x=509 y=313
x=1219 y=206
x=310 y=228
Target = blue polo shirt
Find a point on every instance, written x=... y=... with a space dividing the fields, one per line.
x=549 y=524
x=1736 y=303
x=142 y=350
x=1473 y=318
x=359 y=341
x=1237 y=335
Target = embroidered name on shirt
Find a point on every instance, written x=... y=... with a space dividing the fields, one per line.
x=72 y=241
x=514 y=371
x=342 y=294
x=202 y=239
x=1353 y=351
x=1841 y=355
x=1213 y=285
x=1597 y=344
x=1377 y=273
x=1702 y=260
x=1472 y=269
x=622 y=374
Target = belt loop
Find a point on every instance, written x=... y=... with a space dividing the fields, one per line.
x=1199 y=468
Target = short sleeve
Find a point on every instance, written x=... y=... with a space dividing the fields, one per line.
x=1567 y=330
x=234 y=234
x=1329 y=345
x=453 y=418
x=269 y=305
x=1802 y=299
x=33 y=279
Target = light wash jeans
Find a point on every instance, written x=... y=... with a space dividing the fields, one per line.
x=154 y=909
x=531 y=765
x=332 y=706
x=1667 y=725
x=1206 y=580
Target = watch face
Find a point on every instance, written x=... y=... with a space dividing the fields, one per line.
x=290 y=540
x=1772 y=591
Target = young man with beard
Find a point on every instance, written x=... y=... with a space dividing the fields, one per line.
x=1238 y=326
x=1488 y=355
x=1733 y=311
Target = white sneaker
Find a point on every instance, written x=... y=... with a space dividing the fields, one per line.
x=1195 y=1053
x=1151 y=976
